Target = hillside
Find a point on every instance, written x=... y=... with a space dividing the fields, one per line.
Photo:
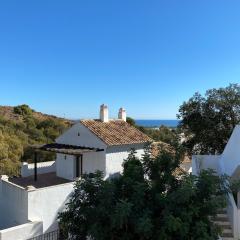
x=20 y=127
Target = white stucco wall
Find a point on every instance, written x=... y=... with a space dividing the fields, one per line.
x=115 y=156
x=27 y=169
x=65 y=168
x=231 y=156
x=20 y=206
x=44 y=204
x=13 y=205
x=86 y=138
x=94 y=161
x=201 y=162
x=22 y=232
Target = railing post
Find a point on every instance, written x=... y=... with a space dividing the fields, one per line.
x=238 y=200
x=35 y=166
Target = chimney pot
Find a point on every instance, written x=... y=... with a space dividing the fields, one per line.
x=104 y=113
x=122 y=115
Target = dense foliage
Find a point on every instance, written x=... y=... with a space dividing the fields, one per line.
x=131 y=121
x=26 y=129
x=147 y=201
x=208 y=121
x=163 y=134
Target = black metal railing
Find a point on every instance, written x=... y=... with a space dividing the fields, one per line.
x=55 y=235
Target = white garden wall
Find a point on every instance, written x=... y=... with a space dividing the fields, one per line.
x=27 y=169
x=20 y=206
x=44 y=204
x=22 y=232
x=13 y=205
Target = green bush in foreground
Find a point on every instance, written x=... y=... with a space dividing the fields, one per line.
x=147 y=201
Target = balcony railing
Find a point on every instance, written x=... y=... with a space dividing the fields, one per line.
x=55 y=235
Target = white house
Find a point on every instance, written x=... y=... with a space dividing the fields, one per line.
x=226 y=163
x=29 y=204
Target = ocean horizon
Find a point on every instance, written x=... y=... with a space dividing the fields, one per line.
x=157 y=123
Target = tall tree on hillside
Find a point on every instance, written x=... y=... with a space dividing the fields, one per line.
x=148 y=201
x=208 y=121
x=131 y=121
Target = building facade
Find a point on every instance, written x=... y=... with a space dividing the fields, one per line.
x=29 y=205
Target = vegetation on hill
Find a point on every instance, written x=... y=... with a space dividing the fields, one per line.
x=147 y=201
x=208 y=121
x=20 y=127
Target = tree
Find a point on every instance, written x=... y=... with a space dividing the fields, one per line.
x=208 y=121
x=23 y=110
x=131 y=121
x=147 y=201
x=163 y=134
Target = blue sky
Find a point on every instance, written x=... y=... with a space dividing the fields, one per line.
x=68 y=57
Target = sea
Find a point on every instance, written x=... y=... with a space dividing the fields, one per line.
x=157 y=123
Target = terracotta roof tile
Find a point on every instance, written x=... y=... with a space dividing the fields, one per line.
x=116 y=132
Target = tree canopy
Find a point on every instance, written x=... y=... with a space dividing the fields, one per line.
x=163 y=134
x=131 y=121
x=23 y=109
x=147 y=201
x=208 y=120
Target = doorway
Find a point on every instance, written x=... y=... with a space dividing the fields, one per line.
x=78 y=166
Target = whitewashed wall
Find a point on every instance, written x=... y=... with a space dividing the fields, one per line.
x=21 y=206
x=65 y=168
x=22 y=232
x=94 y=161
x=115 y=156
x=201 y=162
x=27 y=169
x=13 y=205
x=44 y=204
x=231 y=156
x=86 y=138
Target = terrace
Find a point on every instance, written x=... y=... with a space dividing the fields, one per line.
x=43 y=180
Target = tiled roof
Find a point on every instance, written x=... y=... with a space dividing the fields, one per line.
x=116 y=132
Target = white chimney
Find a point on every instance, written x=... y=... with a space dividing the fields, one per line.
x=104 y=113
x=122 y=115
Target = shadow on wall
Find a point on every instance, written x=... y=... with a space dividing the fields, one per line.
x=54 y=225
x=114 y=175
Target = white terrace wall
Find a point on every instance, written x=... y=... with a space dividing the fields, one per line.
x=115 y=156
x=20 y=206
x=44 y=204
x=42 y=167
x=22 y=232
x=13 y=204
